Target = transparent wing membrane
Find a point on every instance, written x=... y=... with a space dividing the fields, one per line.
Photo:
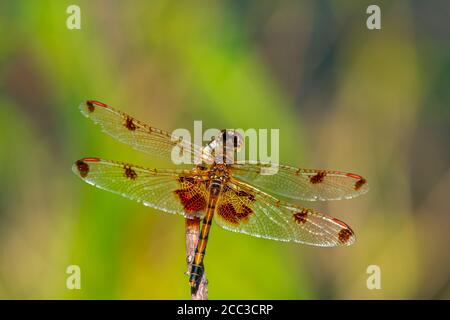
x=302 y=184
x=171 y=191
x=252 y=200
x=247 y=210
x=140 y=136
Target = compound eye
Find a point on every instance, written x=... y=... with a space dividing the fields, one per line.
x=237 y=139
x=232 y=137
x=224 y=134
x=238 y=142
x=235 y=142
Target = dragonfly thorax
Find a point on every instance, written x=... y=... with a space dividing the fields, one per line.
x=219 y=172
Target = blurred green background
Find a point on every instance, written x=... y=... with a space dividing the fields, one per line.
x=372 y=102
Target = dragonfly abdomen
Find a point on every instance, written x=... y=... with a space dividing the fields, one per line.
x=200 y=251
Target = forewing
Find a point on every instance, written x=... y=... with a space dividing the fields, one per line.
x=247 y=210
x=173 y=191
x=301 y=184
x=140 y=136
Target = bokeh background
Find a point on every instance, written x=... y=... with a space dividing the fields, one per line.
x=372 y=102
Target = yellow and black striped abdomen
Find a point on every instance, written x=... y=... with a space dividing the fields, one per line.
x=200 y=251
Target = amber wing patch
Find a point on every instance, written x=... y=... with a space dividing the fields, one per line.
x=245 y=194
x=228 y=212
x=192 y=194
x=235 y=206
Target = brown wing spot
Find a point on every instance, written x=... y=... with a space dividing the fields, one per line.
x=245 y=194
x=344 y=235
x=129 y=124
x=190 y=194
x=83 y=168
x=130 y=173
x=301 y=217
x=318 y=178
x=90 y=106
x=360 y=183
x=228 y=212
x=191 y=201
x=190 y=180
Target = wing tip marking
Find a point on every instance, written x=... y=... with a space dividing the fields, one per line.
x=360 y=181
x=82 y=168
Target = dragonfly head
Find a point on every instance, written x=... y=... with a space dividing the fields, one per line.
x=230 y=142
x=224 y=146
x=232 y=138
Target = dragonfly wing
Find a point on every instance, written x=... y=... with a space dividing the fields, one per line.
x=247 y=210
x=302 y=184
x=139 y=135
x=173 y=191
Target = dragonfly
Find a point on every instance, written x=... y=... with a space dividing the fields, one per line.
x=239 y=197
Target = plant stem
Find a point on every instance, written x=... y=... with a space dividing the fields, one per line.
x=192 y=227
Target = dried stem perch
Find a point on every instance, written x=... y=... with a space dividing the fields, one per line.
x=192 y=227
